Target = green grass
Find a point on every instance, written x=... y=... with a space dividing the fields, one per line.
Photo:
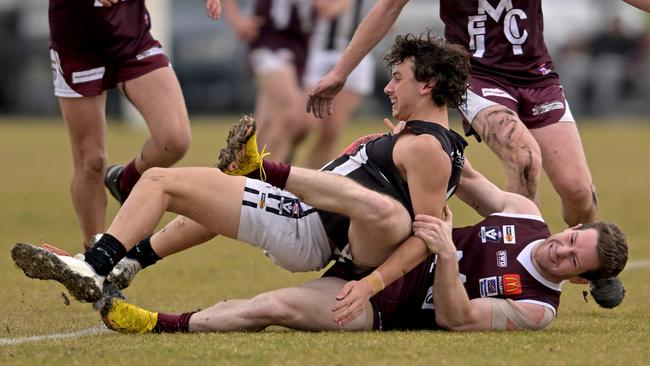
x=36 y=208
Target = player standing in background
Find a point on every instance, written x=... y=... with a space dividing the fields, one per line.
x=515 y=102
x=278 y=37
x=98 y=45
x=332 y=33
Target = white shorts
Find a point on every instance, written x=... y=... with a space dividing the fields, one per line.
x=320 y=62
x=265 y=60
x=289 y=231
x=474 y=104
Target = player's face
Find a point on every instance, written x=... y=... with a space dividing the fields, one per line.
x=403 y=90
x=568 y=254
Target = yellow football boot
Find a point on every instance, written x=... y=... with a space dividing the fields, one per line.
x=123 y=317
x=240 y=156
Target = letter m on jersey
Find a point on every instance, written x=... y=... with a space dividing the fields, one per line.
x=477 y=26
x=511 y=284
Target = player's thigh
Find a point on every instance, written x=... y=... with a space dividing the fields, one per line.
x=281 y=88
x=316 y=300
x=345 y=103
x=85 y=119
x=206 y=195
x=502 y=130
x=563 y=156
x=158 y=96
x=373 y=241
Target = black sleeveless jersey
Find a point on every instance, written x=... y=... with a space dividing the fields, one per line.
x=371 y=164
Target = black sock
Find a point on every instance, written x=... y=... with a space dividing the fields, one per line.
x=143 y=253
x=105 y=254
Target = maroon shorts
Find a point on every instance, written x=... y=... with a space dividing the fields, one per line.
x=75 y=77
x=536 y=107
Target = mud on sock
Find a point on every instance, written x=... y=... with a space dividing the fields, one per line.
x=143 y=253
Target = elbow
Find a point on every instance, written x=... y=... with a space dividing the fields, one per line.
x=457 y=323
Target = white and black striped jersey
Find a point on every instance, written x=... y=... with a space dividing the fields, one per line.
x=335 y=34
x=371 y=164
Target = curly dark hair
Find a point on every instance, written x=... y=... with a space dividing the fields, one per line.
x=433 y=58
x=612 y=250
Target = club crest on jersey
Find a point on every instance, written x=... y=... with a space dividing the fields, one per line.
x=509 y=236
x=543 y=69
x=502 y=259
x=490 y=234
x=290 y=207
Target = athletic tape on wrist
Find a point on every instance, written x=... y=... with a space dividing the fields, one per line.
x=375 y=281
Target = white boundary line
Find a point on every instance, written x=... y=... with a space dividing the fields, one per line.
x=93 y=331
x=55 y=336
x=640 y=264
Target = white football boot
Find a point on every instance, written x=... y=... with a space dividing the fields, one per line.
x=74 y=273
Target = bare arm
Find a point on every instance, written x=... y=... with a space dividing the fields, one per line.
x=641 y=4
x=372 y=29
x=246 y=28
x=427 y=185
x=454 y=309
x=486 y=198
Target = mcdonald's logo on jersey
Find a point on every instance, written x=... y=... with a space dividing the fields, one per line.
x=511 y=284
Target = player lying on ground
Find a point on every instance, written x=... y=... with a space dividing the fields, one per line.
x=504 y=272
x=515 y=101
x=353 y=221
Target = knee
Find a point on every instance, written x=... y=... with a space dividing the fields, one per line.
x=178 y=144
x=378 y=208
x=576 y=193
x=152 y=177
x=93 y=164
x=271 y=309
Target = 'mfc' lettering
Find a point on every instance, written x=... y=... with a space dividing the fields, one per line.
x=476 y=26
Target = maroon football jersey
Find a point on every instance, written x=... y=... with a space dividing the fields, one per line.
x=286 y=24
x=85 y=29
x=505 y=39
x=494 y=259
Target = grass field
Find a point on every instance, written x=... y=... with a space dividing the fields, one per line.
x=35 y=207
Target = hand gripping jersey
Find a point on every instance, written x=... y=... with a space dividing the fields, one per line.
x=505 y=39
x=494 y=258
x=86 y=30
x=372 y=166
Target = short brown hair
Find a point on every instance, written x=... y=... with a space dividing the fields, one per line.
x=433 y=58
x=612 y=250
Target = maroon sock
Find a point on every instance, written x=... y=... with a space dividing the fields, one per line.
x=128 y=178
x=173 y=323
x=277 y=173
